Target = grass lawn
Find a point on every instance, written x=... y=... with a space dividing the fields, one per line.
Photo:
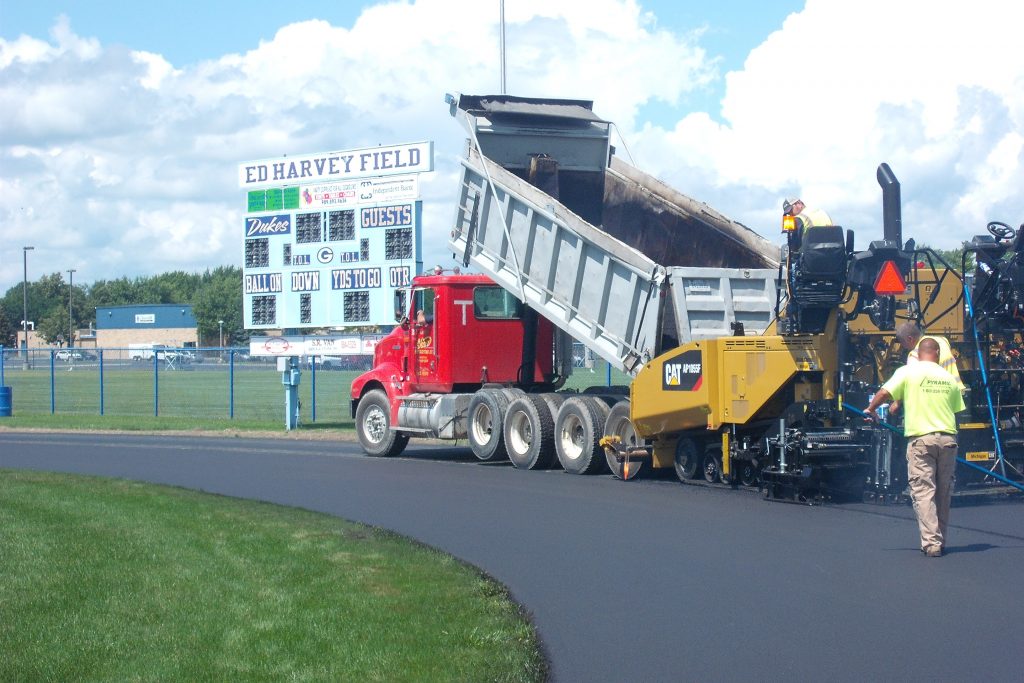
x=112 y=580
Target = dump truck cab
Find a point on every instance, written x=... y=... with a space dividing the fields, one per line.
x=457 y=334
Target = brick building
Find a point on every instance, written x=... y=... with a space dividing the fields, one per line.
x=171 y=325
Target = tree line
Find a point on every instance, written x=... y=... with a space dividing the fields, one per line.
x=214 y=295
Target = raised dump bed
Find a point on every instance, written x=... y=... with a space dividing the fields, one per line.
x=601 y=289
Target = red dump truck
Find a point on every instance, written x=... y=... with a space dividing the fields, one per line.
x=483 y=358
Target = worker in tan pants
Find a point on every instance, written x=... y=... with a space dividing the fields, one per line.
x=931 y=399
x=931 y=460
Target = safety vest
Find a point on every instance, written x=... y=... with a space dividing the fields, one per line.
x=929 y=396
x=947 y=361
x=814 y=218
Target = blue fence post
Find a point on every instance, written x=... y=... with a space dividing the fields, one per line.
x=312 y=388
x=53 y=388
x=156 y=385
x=101 y=380
x=608 y=374
x=231 y=383
x=2 y=384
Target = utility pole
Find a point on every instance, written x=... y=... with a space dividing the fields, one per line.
x=71 y=319
x=24 y=298
x=501 y=43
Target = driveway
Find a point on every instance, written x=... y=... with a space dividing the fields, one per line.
x=647 y=580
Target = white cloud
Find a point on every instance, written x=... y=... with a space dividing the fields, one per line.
x=936 y=89
x=29 y=50
x=115 y=162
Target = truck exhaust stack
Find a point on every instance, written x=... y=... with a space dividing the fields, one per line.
x=892 y=219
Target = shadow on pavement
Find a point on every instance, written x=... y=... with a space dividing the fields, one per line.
x=972 y=548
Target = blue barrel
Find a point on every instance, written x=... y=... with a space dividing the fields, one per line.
x=6 y=403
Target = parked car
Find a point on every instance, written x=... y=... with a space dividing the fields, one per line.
x=349 y=362
x=68 y=355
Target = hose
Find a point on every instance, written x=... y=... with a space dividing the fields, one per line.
x=984 y=380
x=897 y=430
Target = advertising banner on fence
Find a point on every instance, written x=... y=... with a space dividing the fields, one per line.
x=301 y=345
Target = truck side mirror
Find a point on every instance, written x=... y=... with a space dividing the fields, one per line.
x=400 y=316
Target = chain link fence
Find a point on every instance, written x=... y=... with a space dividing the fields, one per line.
x=207 y=383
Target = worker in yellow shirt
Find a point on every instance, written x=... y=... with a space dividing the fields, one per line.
x=805 y=218
x=909 y=335
x=931 y=400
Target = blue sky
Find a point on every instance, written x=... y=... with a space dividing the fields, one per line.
x=122 y=123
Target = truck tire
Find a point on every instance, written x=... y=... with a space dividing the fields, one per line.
x=373 y=426
x=578 y=429
x=530 y=433
x=618 y=424
x=485 y=419
x=513 y=393
x=554 y=402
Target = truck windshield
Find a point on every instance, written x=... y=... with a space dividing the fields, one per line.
x=495 y=303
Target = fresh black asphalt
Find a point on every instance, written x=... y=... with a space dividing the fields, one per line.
x=647 y=580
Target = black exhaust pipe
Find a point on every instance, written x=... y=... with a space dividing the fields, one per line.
x=892 y=214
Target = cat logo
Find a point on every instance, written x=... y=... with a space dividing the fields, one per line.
x=683 y=373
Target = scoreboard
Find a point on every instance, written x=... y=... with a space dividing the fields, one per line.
x=329 y=238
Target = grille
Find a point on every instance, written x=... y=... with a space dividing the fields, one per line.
x=264 y=310
x=308 y=227
x=398 y=244
x=357 y=306
x=257 y=253
x=341 y=225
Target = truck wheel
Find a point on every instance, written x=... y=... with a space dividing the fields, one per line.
x=688 y=459
x=554 y=402
x=373 y=426
x=530 y=433
x=486 y=416
x=577 y=432
x=618 y=424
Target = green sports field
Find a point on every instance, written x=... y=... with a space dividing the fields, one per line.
x=206 y=391
x=250 y=392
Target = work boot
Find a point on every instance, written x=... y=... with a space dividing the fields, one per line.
x=934 y=551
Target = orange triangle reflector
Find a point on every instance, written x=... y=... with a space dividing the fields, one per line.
x=889 y=280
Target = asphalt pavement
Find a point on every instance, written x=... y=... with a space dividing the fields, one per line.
x=645 y=580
